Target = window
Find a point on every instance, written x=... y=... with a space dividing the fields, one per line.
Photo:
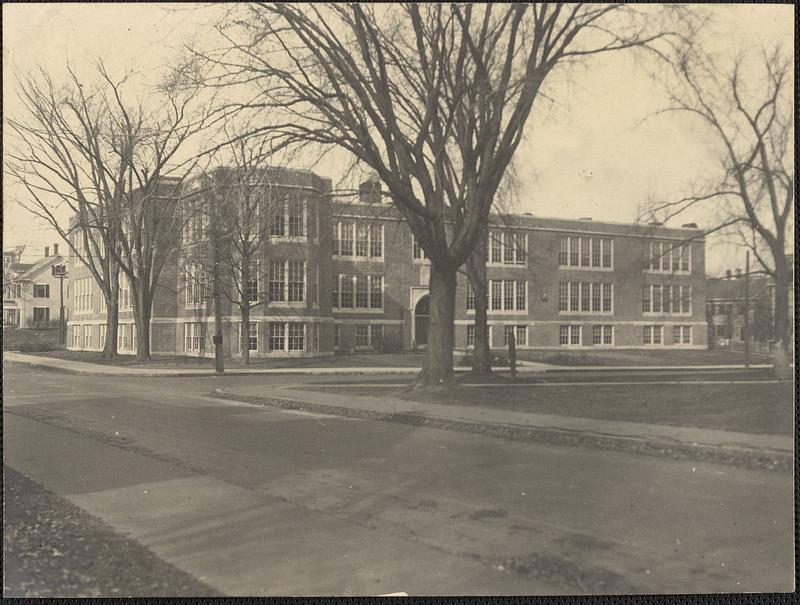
x=507 y=295
x=602 y=335
x=497 y=295
x=667 y=299
x=346 y=289
x=470 y=297
x=376 y=241
x=656 y=299
x=471 y=335
x=277 y=287
x=596 y=290
x=297 y=280
x=297 y=337
x=337 y=336
x=252 y=281
x=277 y=227
x=667 y=257
x=313 y=289
x=313 y=222
x=296 y=218
x=521 y=248
x=375 y=336
x=376 y=291
x=646 y=299
x=358 y=239
x=686 y=300
x=277 y=336
x=102 y=337
x=41 y=314
x=362 y=239
x=608 y=298
x=563 y=251
x=195 y=287
x=569 y=335
x=496 y=246
x=194 y=334
x=585 y=297
x=563 y=296
x=362 y=335
x=586 y=252
x=87 y=336
x=362 y=292
x=418 y=252
x=686 y=259
x=573 y=296
x=522 y=295
x=687 y=335
x=41 y=290
x=520 y=335
x=652 y=335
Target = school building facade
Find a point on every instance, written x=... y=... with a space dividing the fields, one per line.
x=340 y=276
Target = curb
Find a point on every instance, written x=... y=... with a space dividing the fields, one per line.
x=754 y=459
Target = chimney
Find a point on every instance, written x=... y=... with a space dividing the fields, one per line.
x=727 y=273
x=55 y=249
x=369 y=192
x=738 y=272
x=690 y=225
x=46 y=251
x=585 y=218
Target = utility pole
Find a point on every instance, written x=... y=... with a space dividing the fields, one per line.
x=60 y=271
x=219 y=361
x=747 y=309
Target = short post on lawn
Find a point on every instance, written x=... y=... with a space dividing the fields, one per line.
x=512 y=354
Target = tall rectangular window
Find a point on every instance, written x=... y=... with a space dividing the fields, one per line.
x=596 y=252
x=277 y=225
x=687 y=335
x=574 y=296
x=497 y=295
x=346 y=289
x=656 y=299
x=376 y=241
x=376 y=292
x=313 y=221
x=277 y=281
x=676 y=258
x=596 y=297
x=573 y=251
x=297 y=336
x=508 y=248
x=686 y=257
x=375 y=335
x=585 y=297
x=575 y=335
x=277 y=336
x=666 y=256
x=508 y=295
x=597 y=335
x=608 y=250
x=297 y=280
x=496 y=244
x=418 y=252
x=362 y=292
x=362 y=239
x=362 y=335
x=521 y=246
x=563 y=296
x=252 y=281
x=522 y=295
x=347 y=234
x=563 y=251
x=585 y=252
x=471 y=335
x=296 y=218
x=335 y=292
x=470 y=297
x=686 y=300
x=646 y=299
x=608 y=297
x=336 y=239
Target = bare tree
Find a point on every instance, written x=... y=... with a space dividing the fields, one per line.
x=62 y=156
x=748 y=109
x=434 y=98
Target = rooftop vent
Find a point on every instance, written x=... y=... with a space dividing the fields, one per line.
x=585 y=218
x=690 y=225
x=656 y=224
x=529 y=214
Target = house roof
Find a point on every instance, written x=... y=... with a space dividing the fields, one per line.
x=723 y=288
x=41 y=265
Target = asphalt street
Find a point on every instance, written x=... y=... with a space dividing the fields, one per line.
x=258 y=501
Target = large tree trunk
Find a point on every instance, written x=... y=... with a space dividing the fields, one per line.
x=437 y=367
x=782 y=335
x=476 y=271
x=142 y=315
x=112 y=324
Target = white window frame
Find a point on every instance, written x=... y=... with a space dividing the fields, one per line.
x=570 y=331
x=585 y=242
x=371 y=229
x=581 y=287
x=418 y=256
x=651 y=331
x=352 y=280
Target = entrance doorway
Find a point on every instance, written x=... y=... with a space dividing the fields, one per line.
x=421 y=314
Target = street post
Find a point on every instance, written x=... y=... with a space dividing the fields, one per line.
x=60 y=271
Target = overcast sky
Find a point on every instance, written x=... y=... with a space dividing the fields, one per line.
x=591 y=153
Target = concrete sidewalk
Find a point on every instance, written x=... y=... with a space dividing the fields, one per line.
x=524 y=367
x=755 y=450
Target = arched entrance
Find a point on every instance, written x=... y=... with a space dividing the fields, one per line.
x=421 y=314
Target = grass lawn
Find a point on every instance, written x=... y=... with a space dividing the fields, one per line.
x=646 y=357
x=750 y=408
x=392 y=360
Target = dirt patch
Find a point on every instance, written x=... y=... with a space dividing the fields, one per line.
x=498 y=513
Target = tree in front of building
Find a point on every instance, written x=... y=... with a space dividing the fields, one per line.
x=747 y=107
x=434 y=98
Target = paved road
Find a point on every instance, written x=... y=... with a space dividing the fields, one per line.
x=257 y=501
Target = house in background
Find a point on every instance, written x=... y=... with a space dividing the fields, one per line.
x=31 y=297
x=726 y=303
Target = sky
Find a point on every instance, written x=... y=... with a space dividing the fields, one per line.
x=595 y=151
